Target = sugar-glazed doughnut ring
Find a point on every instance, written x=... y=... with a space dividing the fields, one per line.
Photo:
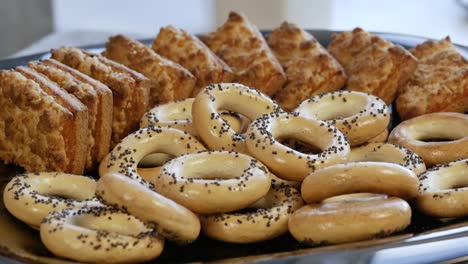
x=30 y=197
x=387 y=152
x=263 y=136
x=215 y=131
x=444 y=190
x=416 y=134
x=121 y=185
x=213 y=181
x=178 y=115
x=100 y=235
x=360 y=116
x=349 y=218
x=355 y=177
x=267 y=222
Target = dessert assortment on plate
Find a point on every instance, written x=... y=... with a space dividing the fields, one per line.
x=242 y=138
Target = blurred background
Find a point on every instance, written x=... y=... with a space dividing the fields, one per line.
x=31 y=26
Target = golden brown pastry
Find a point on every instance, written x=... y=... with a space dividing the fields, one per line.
x=169 y=80
x=94 y=95
x=346 y=45
x=373 y=65
x=130 y=89
x=41 y=127
x=439 y=84
x=184 y=48
x=239 y=43
x=309 y=68
x=439 y=53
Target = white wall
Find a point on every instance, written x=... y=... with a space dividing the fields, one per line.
x=429 y=18
x=268 y=14
x=143 y=17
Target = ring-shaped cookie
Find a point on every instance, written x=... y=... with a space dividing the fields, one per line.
x=213 y=181
x=264 y=133
x=444 y=190
x=355 y=177
x=121 y=185
x=212 y=128
x=126 y=155
x=260 y=224
x=380 y=138
x=349 y=218
x=178 y=115
x=30 y=197
x=360 y=116
x=99 y=235
x=171 y=219
x=387 y=152
x=414 y=133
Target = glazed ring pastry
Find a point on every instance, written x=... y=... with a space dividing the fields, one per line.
x=267 y=222
x=30 y=197
x=170 y=219
x=213 y=181
x=126 y=156
x=214 y=130
x=355 y=177
x=178 y=115
x=360 y=116
x=387 y=152
x=443 y=190
x=349 y=218
x=99 y=235
x=121 y=185
x=417 y=133
x=263 y=143
x=382 y=137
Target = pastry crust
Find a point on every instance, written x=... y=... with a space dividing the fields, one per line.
x=169 y=81
x=309 y=68
x=373 y=65
x=187 y=50
x=66 y=78
x=239 y=43
x=439 y=84
x=34 y=127
x=130 y=89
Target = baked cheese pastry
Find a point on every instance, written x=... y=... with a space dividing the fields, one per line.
x=130 y=89
x=42 y=127
x=169 y=80
x=94 y=95
x=239 y=43
x=348 y=44
x=187 y=50
x=309 y=68
x=439 y=84
x=441 y=53
x=373 y=65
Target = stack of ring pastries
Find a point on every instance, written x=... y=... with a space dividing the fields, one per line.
x=195 y=154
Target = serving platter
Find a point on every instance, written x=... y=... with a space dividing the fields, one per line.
x=425 y=240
